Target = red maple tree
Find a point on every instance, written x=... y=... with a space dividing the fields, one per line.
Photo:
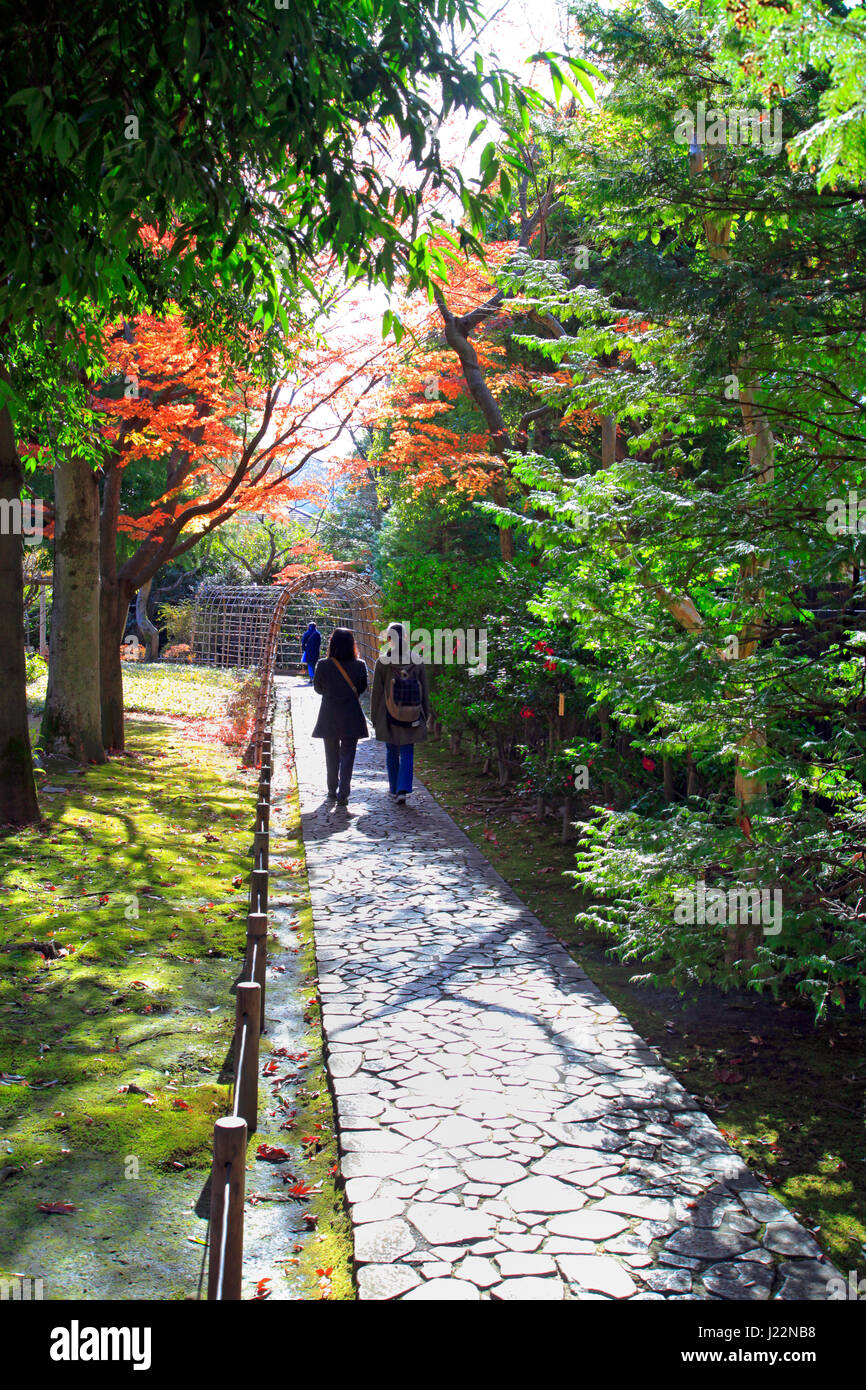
x=226 y=444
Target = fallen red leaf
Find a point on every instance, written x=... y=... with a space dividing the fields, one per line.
x=271 y=1153
x=300 y=1189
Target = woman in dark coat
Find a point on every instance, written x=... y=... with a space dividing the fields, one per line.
x=340 y=679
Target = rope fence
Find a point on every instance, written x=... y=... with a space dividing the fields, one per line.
x=231 y=1132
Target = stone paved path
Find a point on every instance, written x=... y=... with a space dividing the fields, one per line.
x=505 y=1134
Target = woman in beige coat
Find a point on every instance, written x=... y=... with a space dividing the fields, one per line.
x=399 y=735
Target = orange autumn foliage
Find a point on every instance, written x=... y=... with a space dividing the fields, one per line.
x=438 y=440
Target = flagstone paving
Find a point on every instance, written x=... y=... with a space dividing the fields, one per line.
x=504 y=1132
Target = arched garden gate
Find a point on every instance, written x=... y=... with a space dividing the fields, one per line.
x=260 y=625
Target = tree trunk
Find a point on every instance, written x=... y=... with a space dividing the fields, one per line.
x=503 y=767
x=604 y=720
x=694 y=787
x=43 y=621
x=113 y=609
x=761 y=445
x=608 y=441
x=71 y=724
x=668 y=777
x=149 y=634
x=742 y=941
x=18 y=804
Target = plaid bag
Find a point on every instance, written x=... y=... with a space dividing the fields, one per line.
x=403 y=698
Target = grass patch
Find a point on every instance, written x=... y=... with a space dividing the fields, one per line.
x=787 y=1093
x=330 y=1246
x=193 y=692
x=135 y=886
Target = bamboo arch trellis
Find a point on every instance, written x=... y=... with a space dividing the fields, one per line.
x=241 y=625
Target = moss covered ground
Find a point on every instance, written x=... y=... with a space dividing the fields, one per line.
x=320 y=1265
x=114 y=1037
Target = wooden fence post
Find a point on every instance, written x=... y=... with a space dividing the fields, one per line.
x=259 y=890
x=248 y=1014
x=226 y=1252
x=261 y=849
x=257 y=939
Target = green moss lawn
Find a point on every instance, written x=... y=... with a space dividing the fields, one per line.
x=112 y=1053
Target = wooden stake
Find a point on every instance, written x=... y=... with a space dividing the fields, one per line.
x=261 y=849
x=226 y=1239
x=259 y=890
x=248 y=1014
x=257 y=939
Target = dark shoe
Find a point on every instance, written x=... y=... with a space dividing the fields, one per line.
x=342 y=801
x=332 y=796
x=401 y=798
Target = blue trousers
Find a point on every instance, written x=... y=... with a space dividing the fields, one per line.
x=311 y=667
x=400 y=762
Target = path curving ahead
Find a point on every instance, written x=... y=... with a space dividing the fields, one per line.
x=504 y=1132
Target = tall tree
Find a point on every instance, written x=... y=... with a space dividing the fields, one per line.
x=252 y=132
x=219 y=443
x=72 y=722
x=706 y=321
x=19 y=805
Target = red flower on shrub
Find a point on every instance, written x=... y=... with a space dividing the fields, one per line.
x=550 y=665
x=526 y=713
x=648 y=764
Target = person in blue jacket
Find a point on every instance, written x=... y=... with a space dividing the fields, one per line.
x=311 y=645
